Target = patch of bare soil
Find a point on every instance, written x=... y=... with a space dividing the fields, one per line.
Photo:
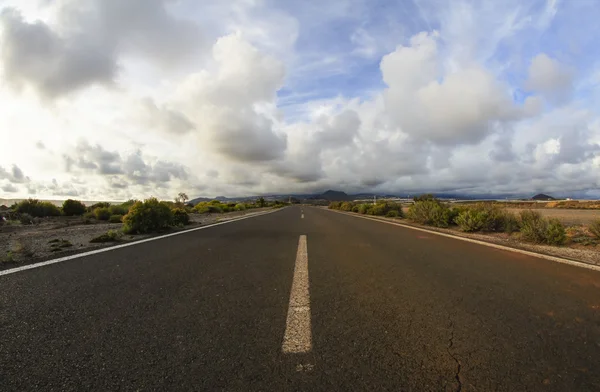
x=568 y=217
x=62 y=236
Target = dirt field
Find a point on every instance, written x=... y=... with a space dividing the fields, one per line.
x=60 y=236
x=566 y=216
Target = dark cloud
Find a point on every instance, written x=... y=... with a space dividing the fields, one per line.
x=121 y=173
x=165 y=119
x=91 y=38
x=10 y=188
x=15 y=175
x=32 y=53
x=245 y=136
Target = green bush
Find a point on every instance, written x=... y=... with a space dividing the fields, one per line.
x=72 y=207
x=26 y=219
x=511 y=223
x=240 y=207
x=392 y=214
x=102 y=213
x=102 y=204
x=110 y=236
x=215 y=209
x=147 y=217
x=533 y=226
x=364 y=208
x=555 y=233
x=470 y=220
x=36 y=208
x=180 y=217
x=595 y=228
x=431 y=212
x=483 y=217
x=346 y=206
x=118 y=209
x=115 y=219
x=335 y=205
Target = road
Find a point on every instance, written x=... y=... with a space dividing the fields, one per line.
x=312 y=301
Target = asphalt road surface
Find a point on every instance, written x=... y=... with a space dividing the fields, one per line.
x=312 y=301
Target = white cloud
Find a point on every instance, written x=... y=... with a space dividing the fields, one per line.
x=550 y=78
x=153 y=97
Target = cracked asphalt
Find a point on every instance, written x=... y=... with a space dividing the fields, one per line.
x=391 y=309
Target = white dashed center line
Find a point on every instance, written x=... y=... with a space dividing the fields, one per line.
x=298 y=335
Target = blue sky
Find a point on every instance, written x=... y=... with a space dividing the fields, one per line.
x=122 y=98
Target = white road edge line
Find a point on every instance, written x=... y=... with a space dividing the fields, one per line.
x=298 y=335
x=302 y=216
x=488 y=244
x=93 y=252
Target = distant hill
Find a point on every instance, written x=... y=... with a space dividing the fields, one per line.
x=334 y=196
x=542 y=196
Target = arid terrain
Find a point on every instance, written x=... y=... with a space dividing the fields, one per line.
x=60 y=236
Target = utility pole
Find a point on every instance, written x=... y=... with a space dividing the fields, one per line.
x=290 y=201
x=374 y=200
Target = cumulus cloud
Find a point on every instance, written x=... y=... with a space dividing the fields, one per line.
x=224 y=103
x=457 y=107
x=9 y=188
x=89 y=40
x=275 y=100
x=165 y=119
x=14 y=176
x=550 y=78
x=133 y=169
x=34 y=54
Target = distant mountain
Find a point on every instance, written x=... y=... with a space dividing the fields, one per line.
x=542 y=196
x=334 y=196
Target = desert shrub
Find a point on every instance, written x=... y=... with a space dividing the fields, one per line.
x=118 y=209
x=364 y=208
x=22 y=249
x=37 y=208
x=72 y=207
x=110 y=236
x=115 y=219
x=595 y=228
x=102 y=213
x=180 y=217
x=424 y=197
x=511 y=223
x=89 y=215
x=346 y=206
x=481 y=217
x=335 y=205
x=555 y=233
x=225 y=208
x=57 y=245
x=214 y=202
x=215 y=209
x=392 y=214
x=430 y=212
x=470 y=220
x=25 y=219
x=533 y=226
x=102 y=204
x=240 y=207
x=147 y=217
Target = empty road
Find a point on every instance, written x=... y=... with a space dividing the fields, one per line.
x=301 y=299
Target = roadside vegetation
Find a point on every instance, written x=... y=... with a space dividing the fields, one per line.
x=123 y=220
x=482 y=217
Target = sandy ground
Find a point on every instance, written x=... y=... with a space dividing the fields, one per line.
x=57 y=237
x=567 y=216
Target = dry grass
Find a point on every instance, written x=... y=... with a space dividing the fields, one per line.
x=566 y=216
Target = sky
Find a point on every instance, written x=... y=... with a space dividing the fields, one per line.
x=120 y=99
